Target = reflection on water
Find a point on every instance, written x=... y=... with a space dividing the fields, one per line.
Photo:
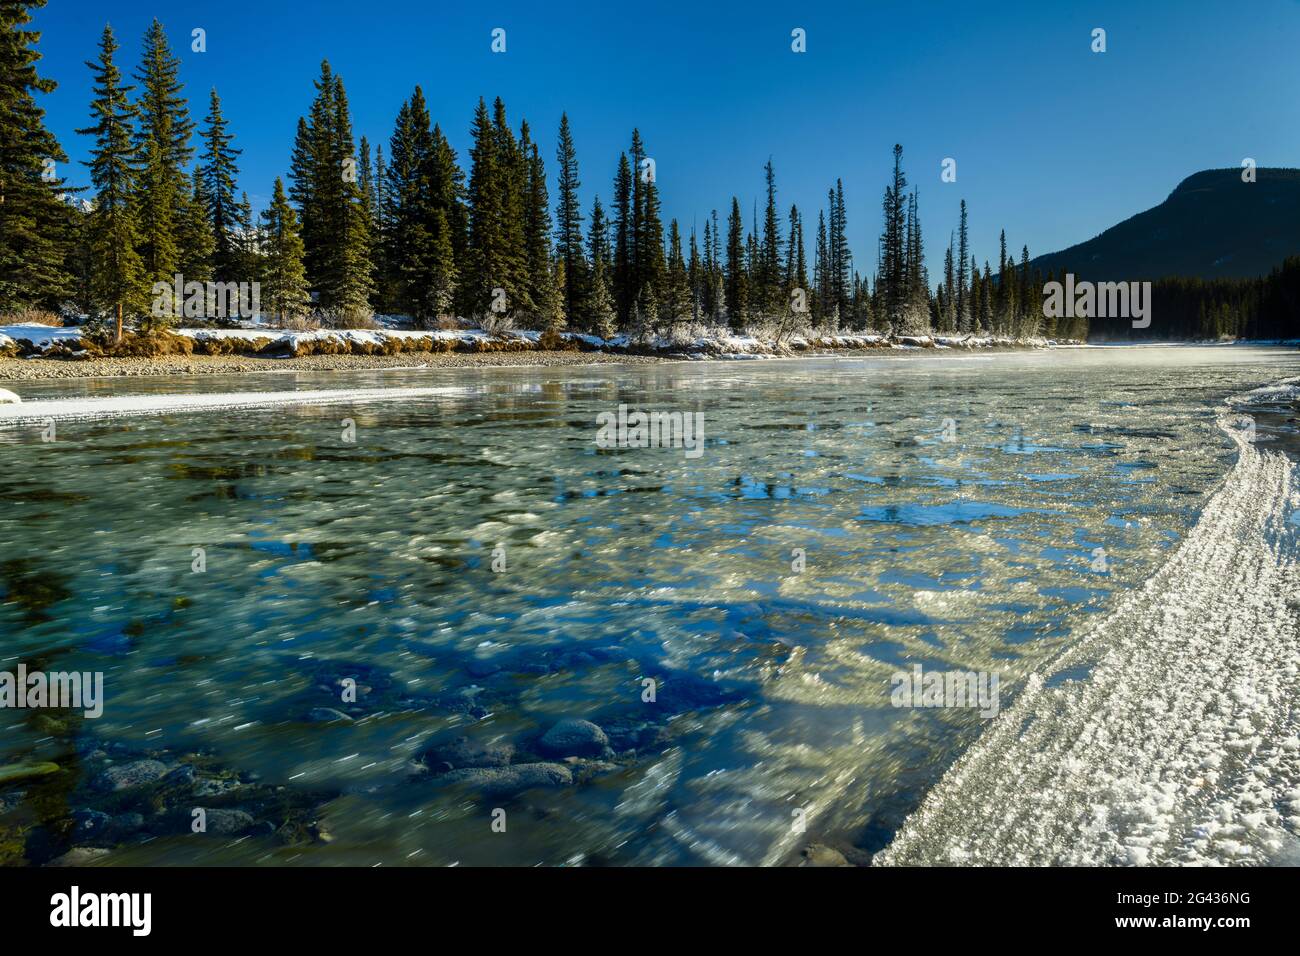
x=329 y=562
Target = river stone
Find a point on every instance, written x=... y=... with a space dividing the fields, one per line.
x=224 y=822
x=508 y=781
x=463 y=752
x=127 y=776
x=574 y=738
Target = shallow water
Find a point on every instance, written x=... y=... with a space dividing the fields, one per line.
x=374 y=558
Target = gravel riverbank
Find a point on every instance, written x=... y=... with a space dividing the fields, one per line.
x=35 y=369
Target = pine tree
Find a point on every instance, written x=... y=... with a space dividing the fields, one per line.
x=737 y=273
x=624 y=227
x=163 y=144
x=601 y=315
x=347 y=267
x=892 y=277
x=492 y=254
x=284 y=286
x=963 y=308
x=841 y=261
x=194 y=242
x=412 y=247
x=118 y=281
x=568 y=221
x=539 y=280
x=37 y=231
x=675 y=307
x=768 y=293
x=219 y=174
x=824 y=298
x=649 y=268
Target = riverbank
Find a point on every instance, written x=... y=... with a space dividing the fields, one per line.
x=34 y=352
x=43 y=369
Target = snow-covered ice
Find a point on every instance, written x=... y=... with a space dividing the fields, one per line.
x=1180 y=747
x=124 y=405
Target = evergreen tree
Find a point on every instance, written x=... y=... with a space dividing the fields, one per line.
x=841 y=261
x=601 y=314
x=568 y=224
x=675 y=307
x=768 y=293
x=119 y=285
x=737 y=289
x=194 y=242
x=163 y=143
x=284 y=286
x=624 y=227
x=540 y=278
x=37 y=232
x=348 y=282
x=219 y=172
x=493 y=258
x=963 y=300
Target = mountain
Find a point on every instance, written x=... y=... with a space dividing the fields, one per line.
x=1212 y=226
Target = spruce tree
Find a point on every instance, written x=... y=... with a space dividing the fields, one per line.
x=194 y=242
x=601 y=316
x=568 y=221
x=737 y=277
x=348 y=283
x=284 y=285
x=539 y=279
x=494 y=253
x=37 y=232
x=219 y=173
x=119 y=285
x=623 y=278
x=963 y=300
x=163 y=142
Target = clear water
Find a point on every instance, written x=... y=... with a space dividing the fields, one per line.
x=374 y=558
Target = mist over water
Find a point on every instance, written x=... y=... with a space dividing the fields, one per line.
x=373 y=559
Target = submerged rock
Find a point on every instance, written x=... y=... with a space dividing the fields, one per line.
x=127 y=776
x=509 y=781
x=224 y=822
x=818 y=854
x=464 y=752
x=572 y=737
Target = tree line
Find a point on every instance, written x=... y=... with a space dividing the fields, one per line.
x=410 y=229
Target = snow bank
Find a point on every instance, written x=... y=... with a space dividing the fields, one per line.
x=1181 y=746
x=36 y=337
x=261 y=339
x=64 y=409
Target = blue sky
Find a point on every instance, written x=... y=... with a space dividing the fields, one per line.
x=1053 y=142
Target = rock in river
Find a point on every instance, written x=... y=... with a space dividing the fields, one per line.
x=509 y=781
x=574 y=738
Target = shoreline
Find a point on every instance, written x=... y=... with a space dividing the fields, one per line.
x=39 y=368
x=52 y=369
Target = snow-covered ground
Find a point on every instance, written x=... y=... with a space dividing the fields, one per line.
x=63 y=409
x=1168 y=733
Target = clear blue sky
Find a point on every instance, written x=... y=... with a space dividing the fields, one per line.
x=1053 y=142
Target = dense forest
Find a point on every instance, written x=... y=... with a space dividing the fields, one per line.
x=412 y=229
